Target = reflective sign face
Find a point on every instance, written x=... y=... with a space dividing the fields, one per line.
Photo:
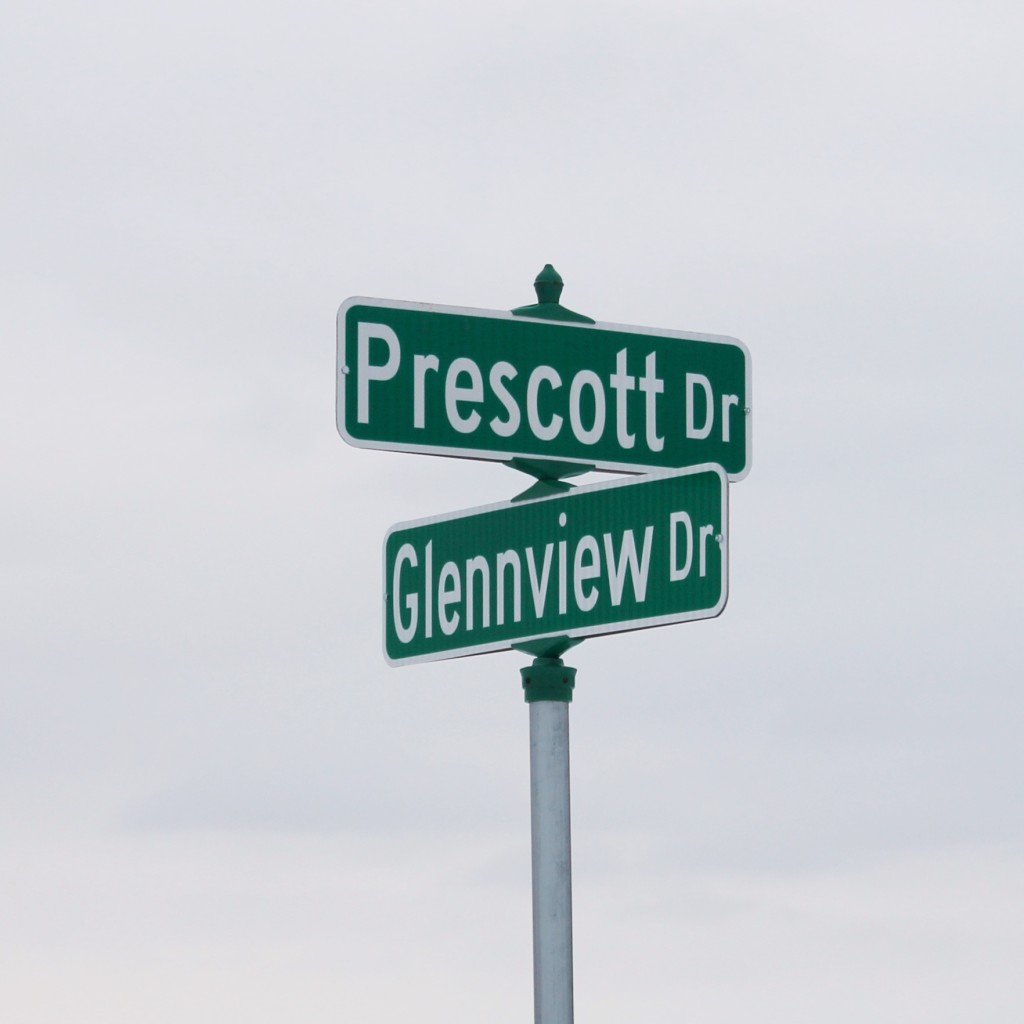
x=599 y=559
x=486 y=384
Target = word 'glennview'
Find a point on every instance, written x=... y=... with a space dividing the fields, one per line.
x=427 y=591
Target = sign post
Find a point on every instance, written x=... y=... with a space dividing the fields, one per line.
x=553 y=394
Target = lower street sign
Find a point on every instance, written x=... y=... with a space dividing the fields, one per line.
x=608 y=557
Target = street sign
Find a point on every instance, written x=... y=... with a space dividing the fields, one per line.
x=608 y=557
x=487 y=384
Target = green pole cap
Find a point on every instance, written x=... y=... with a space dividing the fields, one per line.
x=548 y=679
x=548 y=284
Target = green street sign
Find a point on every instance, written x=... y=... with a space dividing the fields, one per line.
x=608 y=557
x=488 y=384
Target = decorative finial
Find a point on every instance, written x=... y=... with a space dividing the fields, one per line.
x=548 y=285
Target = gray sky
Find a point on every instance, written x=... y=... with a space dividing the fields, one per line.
x=217 y=801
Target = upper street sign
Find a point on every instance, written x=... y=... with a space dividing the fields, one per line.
x=626 y=554
x=487 y=384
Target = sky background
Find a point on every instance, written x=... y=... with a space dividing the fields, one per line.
x=217 y=802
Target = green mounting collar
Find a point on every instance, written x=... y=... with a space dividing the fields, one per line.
x=543 y=489
x=548 y=647
x=548 y=679
x=547 y=474
x=549 y=469
x=548 y=286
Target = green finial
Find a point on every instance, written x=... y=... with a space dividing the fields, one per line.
x=548 y=286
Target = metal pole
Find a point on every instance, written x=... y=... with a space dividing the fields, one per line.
x=548 y=686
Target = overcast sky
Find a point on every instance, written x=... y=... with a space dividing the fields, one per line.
x=217 y=802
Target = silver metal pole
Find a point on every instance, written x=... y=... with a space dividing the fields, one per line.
x=552 y=862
